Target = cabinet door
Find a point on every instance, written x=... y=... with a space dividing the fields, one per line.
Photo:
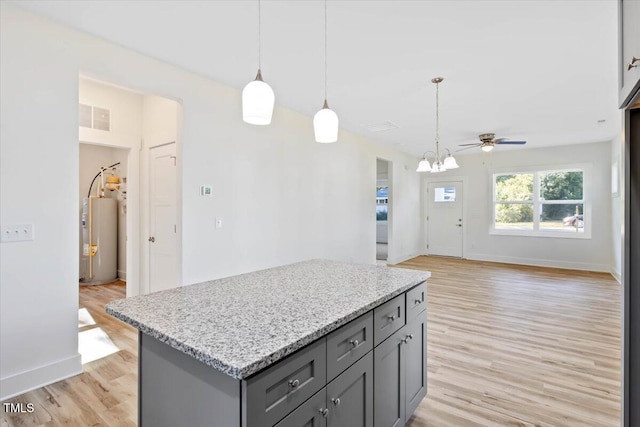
x=312 y=413
x=629 y=11
x=415 y=360
x=389 y=381
x=350 y=396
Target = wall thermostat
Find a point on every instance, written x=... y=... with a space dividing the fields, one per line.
x=205 y=190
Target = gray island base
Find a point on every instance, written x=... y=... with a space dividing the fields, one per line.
x=316 y=343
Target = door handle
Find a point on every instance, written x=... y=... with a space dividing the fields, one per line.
x=632 y=64
x=152 y=239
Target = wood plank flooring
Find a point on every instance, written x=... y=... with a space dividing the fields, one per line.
x=507 y=346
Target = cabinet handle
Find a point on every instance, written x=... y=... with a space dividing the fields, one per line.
x=410 y=336
x=354 y=343
x=324 y=412
x=418 y=301
x=336 y=401
x=632 y=64
x=407 y=338
x=294 y=383
x=392 y=317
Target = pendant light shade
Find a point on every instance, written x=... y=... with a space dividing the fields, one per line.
x=424 y=166
x=325 y=125
x=257 y=102
x=450 y=162
x=486 y=148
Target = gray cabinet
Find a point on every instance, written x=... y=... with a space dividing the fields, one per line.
x=389 y=384
x=388 y=318
x=415 y=358
x=401 y=375
x=348 y=344
x=270 y=395
x=629 y=56
x=350 y=396
x=416 y=301
x=312 y=413
x=347 y=401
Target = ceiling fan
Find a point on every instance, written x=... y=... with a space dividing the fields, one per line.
x=488 y=141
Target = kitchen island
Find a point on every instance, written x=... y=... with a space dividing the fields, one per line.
x=295 y=345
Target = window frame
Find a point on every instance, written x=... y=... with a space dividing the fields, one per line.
x=536 y=203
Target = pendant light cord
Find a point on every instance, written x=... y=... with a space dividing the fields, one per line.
x=325 y=50
x=437 y=123
x=259 y=35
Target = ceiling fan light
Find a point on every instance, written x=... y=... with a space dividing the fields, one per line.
x=424 y=166
x=450 y=162
x=486 y=148
x=257 y=102
x=325 y=125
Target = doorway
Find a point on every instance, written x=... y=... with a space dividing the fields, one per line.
x=445 y=218
x=383 y=209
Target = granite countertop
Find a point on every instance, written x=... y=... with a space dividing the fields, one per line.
x=242 y=324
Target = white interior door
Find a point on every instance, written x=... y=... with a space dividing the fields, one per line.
x=162 y=240
x=444 y=218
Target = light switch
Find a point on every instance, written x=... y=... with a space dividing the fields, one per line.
x=218 y=222
x=17 y=233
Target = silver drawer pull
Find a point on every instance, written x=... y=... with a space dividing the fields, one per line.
x=418 y=301
x=354 y=343
x=407 y=338
x=324 y=412
x=336 y=401
x=410 y=336
x=632 y=64
x=294 y=383
x=392 y=317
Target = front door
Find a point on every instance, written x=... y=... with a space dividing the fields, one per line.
x=162 y=240
x=444 y=219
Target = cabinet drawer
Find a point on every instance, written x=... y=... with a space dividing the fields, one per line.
x=388 y=318
x=416 y=301
x=348 y=344
x=275 y=392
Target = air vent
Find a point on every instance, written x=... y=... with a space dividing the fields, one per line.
x=101 y=118
x=94 y=117
x=381 y=127
x=85 y=115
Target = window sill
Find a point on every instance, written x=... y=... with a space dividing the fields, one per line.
x=556 y=235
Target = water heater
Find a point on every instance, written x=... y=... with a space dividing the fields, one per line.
x=100 y=239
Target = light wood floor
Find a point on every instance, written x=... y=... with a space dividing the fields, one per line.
x=507 y=346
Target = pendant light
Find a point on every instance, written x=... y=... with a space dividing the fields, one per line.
x=438 y=165
x=257 y=96
x=325 y=122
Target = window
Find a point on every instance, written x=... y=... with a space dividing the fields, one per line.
x=540 y=203
x=445 y=194
x=382 y=202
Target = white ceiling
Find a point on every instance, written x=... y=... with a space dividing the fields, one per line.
x=544 y=71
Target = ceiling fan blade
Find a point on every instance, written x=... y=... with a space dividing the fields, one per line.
x=503 y=142
x=474 y=144
x=466 y=148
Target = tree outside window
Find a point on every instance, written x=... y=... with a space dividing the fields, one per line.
x=539 y=203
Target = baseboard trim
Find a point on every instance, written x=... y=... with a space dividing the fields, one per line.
x=23 y=382
x=616 y=275
x=122 y=275
x=569 y=265
x=401 y=258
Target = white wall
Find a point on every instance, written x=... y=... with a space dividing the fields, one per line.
x=92 y=157
x=283 y=197
x=587 y=254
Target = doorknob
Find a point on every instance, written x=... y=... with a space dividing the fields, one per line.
x=152 y=239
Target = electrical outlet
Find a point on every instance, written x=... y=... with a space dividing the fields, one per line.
x=17 y=233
